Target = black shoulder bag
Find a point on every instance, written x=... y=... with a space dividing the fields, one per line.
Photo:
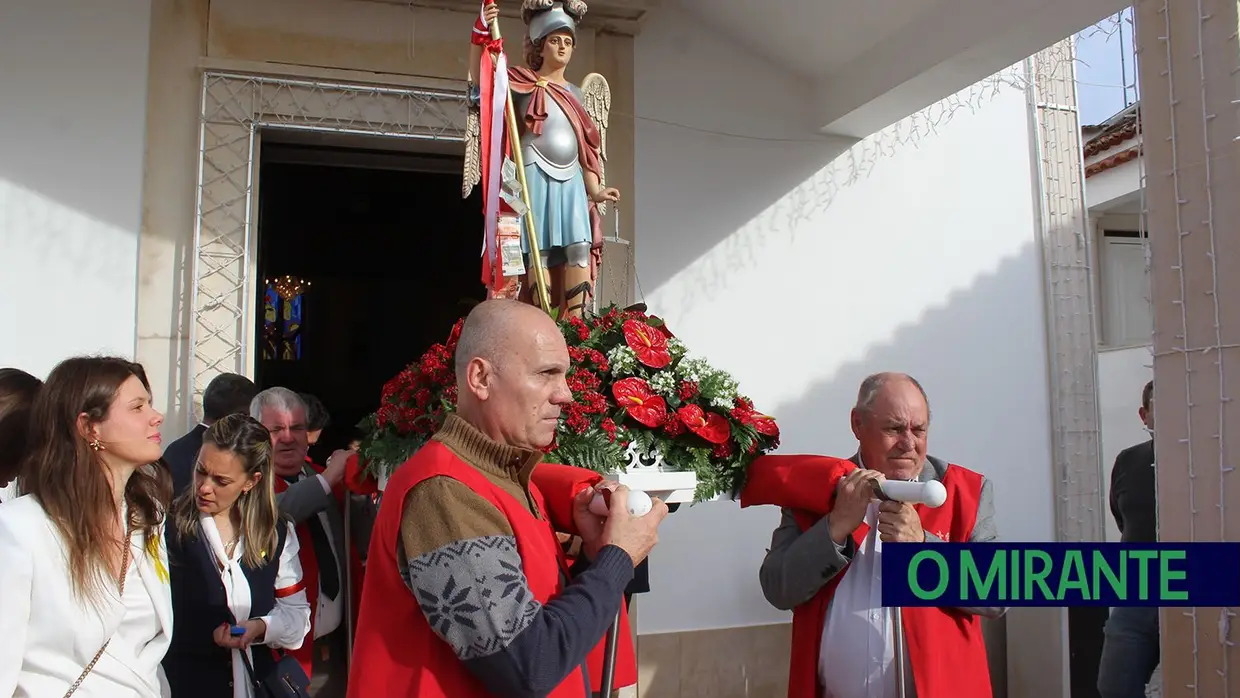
x=285 y=680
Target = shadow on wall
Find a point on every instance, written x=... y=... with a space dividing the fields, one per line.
x=951 y=347
x=952 y=350
x=758 y=168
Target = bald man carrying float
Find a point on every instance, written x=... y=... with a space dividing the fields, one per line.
x=465 y=593
x=826 y=568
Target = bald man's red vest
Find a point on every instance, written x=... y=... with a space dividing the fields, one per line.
x=396 y=652
x=945 y=646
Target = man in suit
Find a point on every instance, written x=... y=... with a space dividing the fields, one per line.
x=312 y=497
x=1130 y=646
x=317 y=419
x=227 y=393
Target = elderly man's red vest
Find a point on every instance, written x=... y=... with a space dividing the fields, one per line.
x=945 y=646
x=396 y=653
x=310 y=573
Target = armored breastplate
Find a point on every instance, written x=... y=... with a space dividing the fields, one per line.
x=555 y=149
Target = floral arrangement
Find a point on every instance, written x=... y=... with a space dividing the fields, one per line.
x=633 y=382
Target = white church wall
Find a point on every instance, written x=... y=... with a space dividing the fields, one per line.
x=801 y=264
x=72 y=123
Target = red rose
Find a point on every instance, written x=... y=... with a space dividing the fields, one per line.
x=688 y=390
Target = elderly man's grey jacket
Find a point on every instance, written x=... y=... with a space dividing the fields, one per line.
x=799 y=564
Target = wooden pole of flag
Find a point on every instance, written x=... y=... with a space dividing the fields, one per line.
x=536 y=265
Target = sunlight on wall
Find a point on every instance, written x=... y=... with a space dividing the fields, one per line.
x=72 y=130
x=67 y=281
x=801 y=266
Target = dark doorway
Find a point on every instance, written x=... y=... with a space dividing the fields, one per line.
x=391 y=256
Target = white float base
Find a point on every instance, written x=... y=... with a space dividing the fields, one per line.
x=673 y=487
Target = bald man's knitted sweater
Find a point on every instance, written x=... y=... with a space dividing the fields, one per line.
x=462 y=565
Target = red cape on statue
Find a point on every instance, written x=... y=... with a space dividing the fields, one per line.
x=946 y=650
x=310 y=575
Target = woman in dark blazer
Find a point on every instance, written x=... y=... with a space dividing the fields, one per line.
x=233 y=561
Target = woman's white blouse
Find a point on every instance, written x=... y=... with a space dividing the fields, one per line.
x=289 y=620
x=140 y=624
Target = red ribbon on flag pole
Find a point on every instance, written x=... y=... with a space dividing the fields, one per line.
x=494 y=146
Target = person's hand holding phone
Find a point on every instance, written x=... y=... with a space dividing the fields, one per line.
x=241 y=636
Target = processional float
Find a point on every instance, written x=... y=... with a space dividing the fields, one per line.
x=646 y=411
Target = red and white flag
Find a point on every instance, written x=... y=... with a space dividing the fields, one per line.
x=493 y=99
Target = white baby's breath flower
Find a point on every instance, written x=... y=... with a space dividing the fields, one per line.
x=664 y=383
x=622 y=361
x=676 y=348
x=692 y=368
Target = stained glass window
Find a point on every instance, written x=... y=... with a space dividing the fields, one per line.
x=282 y=318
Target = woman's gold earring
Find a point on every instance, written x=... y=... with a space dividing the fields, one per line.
x=96 y=445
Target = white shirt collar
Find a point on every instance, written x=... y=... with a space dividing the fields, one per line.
x=212 y=533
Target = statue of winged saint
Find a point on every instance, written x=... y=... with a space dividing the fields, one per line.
x=563 y=147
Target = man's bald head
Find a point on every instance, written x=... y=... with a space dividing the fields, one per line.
x=490 y=326
x=891 y=422
x=511 y=363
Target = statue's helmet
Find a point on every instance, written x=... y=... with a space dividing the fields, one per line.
x=554 y=19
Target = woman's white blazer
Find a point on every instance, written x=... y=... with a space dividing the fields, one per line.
x=49 y=635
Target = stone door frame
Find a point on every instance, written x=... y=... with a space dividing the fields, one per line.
x=236 y=108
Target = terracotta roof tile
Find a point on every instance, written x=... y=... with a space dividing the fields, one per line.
x=1113 y=161
x=1112 y=136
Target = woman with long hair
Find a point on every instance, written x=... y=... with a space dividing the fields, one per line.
x=17 y=392
x=87 y=609
x=236 y=577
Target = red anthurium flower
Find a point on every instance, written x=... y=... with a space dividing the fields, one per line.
x=765 y=425
x=641 y=403
x=709 y=425
x=662 y=328
x=648 y=343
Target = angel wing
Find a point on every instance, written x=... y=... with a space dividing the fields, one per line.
x=472 y=173
x=596 y=98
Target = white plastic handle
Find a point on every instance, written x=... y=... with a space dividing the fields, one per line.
x=931 y=493
x=639 y=504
